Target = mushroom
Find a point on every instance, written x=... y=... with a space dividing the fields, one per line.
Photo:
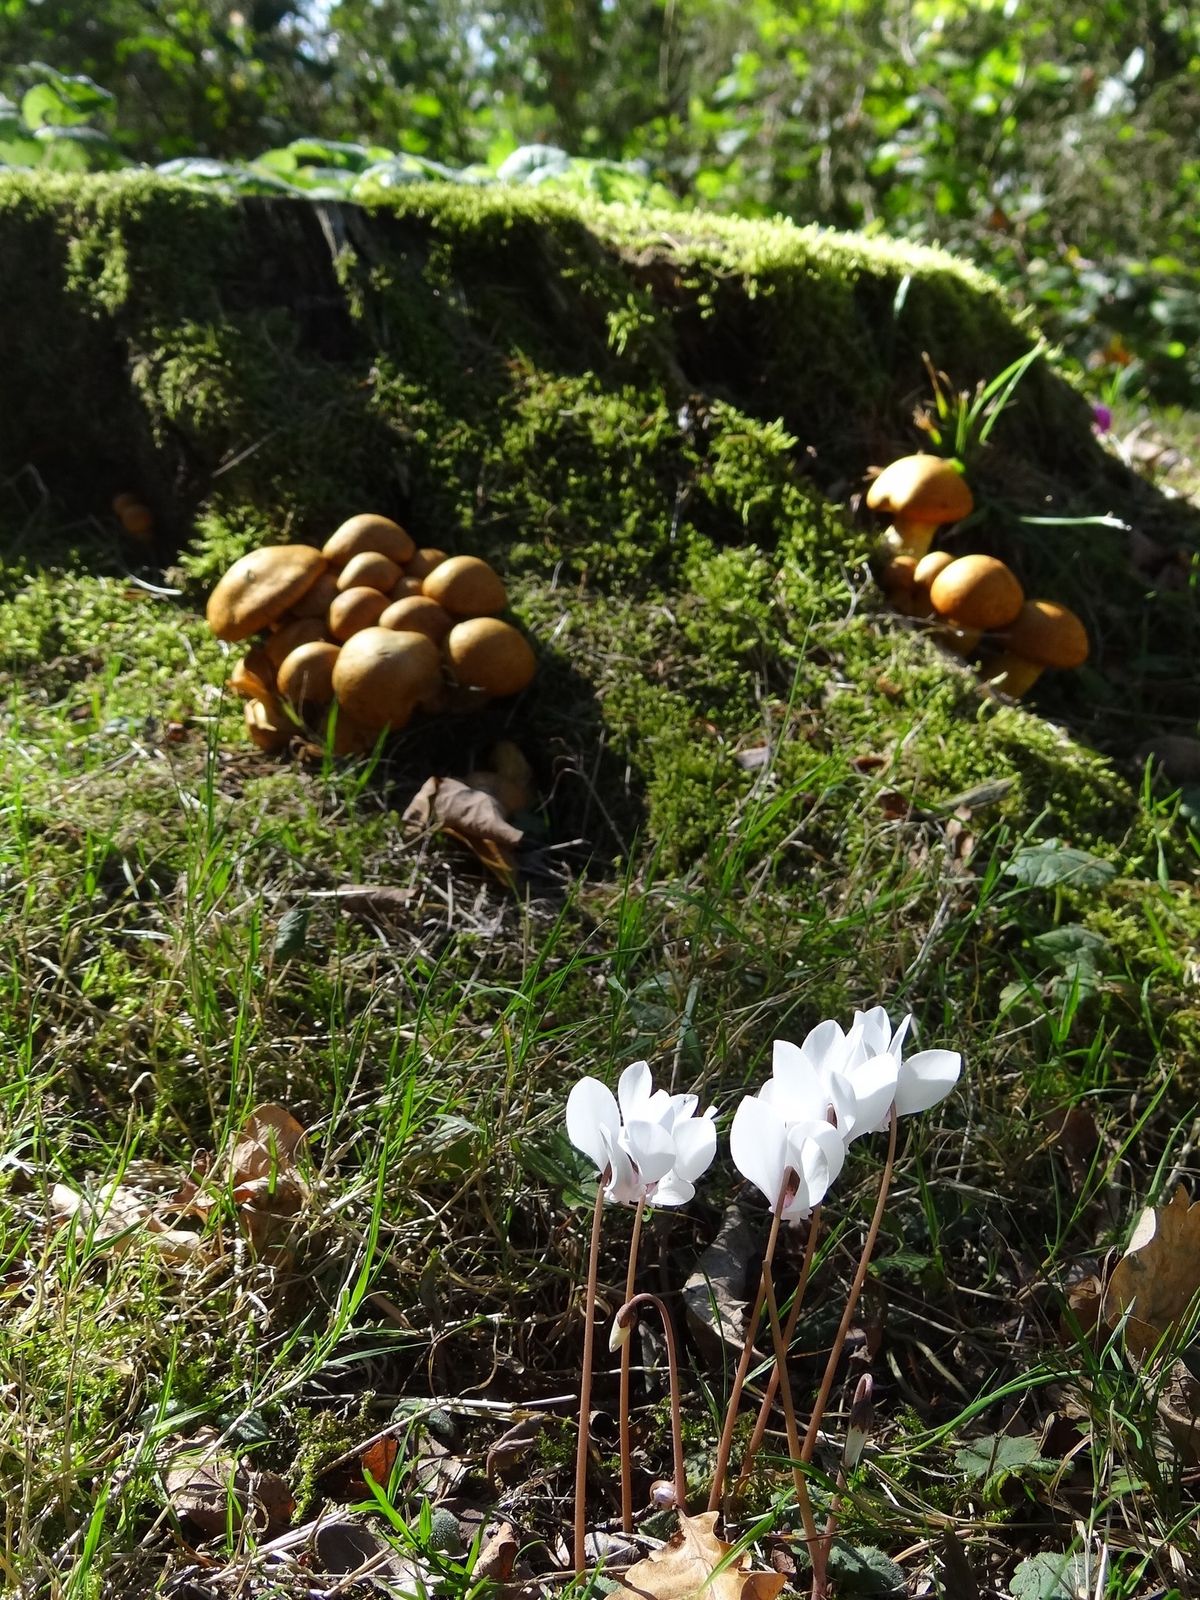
x=466 y=587
x=896 y=581
x=302 y=630
x=418 y=614
x=925 y=572
x=1045 y=634
x=406 y=586
x=974 y=595
x=254 y=675
x=306 y=675
x=423 y=563
x=491 y=655
x=355 y=609
x=380 y=676
x=260 y=587
x=317 y=601
x=371 y=570
x=368 y=531
x=135 y=518
x=267 y=723
x=919 y=493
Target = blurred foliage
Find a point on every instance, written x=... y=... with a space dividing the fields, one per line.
x=1057 y=145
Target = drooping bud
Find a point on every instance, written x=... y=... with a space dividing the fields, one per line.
x=862 y=1419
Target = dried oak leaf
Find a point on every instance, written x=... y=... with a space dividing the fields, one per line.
x=1158 y=1277
x=687 y=1566
x=473 y=817
x=263 y=1175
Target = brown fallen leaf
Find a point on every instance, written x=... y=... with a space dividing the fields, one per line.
x=1158 y=1277
x=715 y=1293
x=212 y=1489
x=379 y=900
x=263 y=1176
x=473 y=817
x=687 y=1566
x=498 y=1554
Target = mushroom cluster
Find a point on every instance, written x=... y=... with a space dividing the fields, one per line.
x=368 y=623
x=975 y=601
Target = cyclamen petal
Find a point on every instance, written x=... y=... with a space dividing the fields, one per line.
x=925 y=1079
x=874 y=1085
x=695 y=1147
x=758 y=1145
x=807 y=1161
x=674 y=1190
x=591 y=1108
x=824 y=1046
x=651 y=1148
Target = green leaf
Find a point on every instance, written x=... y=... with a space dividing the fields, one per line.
x=291 y=932
x=999 y=1456
x=61 y=100
x=1045 y=866
x=861 y=1569
x=1071 y=947
x=77 y=150
x=1050 y=1576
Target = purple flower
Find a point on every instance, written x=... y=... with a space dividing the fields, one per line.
x=1102 y=419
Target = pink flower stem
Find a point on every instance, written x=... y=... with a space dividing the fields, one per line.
x=789 y=1415
x=624 y=1318
x=585 y=1382
x=764 y=1411
x=626 y=1360
x=725 y=1447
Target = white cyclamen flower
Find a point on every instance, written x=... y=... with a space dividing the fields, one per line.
x=651 y=1143
x=796 y=1160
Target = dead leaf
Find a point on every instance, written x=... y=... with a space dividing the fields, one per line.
x=687 y=1564
x=212 y=1489
x=133 y=1210
x=510 y=1449
x=753 y=759
x=471 y=816
x=1158 y=1277
x=715 y=1293
x=379 y=900
x=263 y=1177
x=498 y=1553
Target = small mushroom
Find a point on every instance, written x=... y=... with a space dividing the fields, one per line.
x=1045 y=634
x=317 y=601
x=406 y=586
x=974 y=595
x=896 y=581
x=417 y=613
x=423 y=563
x=267 y=723
x=368 y=531
x=306 y=675
x=920 y=493
x=289 y=637
x=254 y=675
x=260 y=587
x=926 y=571
x=135 y=518
x=381 y=676
x=368 y=569
x=466 y=587
x=355 y=609
x=487 y=654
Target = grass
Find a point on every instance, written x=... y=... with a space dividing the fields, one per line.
x=174 y=952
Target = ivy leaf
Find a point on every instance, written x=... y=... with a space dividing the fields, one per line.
x=1071 y=947
x=999 y=1456
x=1052 y=1575
x=861 y=1569
x=1046 y=866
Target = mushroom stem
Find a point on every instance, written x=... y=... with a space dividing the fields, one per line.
x=961 y=641
x=1012 y=675
x=908 y=537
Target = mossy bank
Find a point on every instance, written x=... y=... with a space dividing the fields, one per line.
x=763 y=798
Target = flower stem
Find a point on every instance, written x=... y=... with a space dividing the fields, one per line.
x=764 y=1411
x=626 y=1360
x=789 y=1415
x=585 y=1382
x=626 y=1311
x=725 y=1447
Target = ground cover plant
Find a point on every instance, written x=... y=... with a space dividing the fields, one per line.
x=291 y=1220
